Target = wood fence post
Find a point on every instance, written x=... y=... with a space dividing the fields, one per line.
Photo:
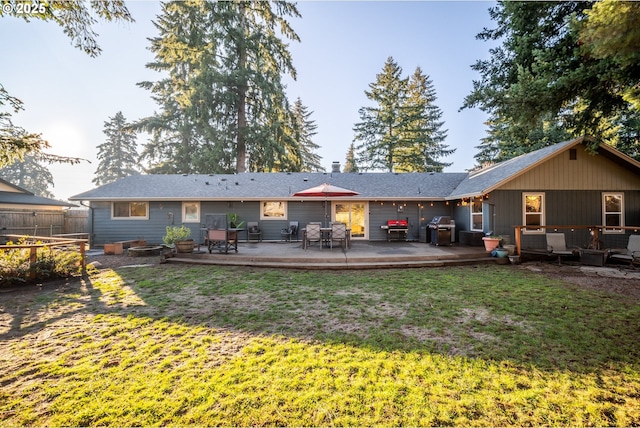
x=517 y=237
x=32 y=262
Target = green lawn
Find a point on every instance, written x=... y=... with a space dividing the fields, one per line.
x=203 y=345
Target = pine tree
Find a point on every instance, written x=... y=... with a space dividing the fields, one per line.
x=402 y=133
x=30 y=174
x=379 y=135
x=223 y=104
x=305 y=130
x=118 y=154
x=350 y=160
x=425 y=131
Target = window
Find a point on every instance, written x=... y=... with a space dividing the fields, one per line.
x=476 y=214
x=191 y=212
x=130 y=210
x=613 y=212
x=273 y=210
x=533 y=212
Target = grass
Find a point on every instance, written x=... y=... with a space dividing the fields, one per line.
x=176 y=345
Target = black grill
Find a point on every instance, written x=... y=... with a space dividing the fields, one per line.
x=440 y=227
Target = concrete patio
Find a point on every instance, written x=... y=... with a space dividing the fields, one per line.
x=361 y=255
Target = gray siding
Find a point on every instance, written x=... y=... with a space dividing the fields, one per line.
x=563 y=208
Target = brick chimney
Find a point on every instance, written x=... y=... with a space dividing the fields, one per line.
x=335 y=166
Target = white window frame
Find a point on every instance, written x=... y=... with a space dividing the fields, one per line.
x=542 y=212
x=612 y=229
x=472 y=214
x=284 y=207
x=130 y=217
x=185 y=218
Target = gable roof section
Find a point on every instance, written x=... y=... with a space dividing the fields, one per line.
x=487 y=179
x=280 y=186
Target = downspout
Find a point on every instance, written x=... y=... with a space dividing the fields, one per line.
x=90 y=222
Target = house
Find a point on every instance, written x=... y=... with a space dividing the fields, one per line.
x=562 y=184
x=22 y=212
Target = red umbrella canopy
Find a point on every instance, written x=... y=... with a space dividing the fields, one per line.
x=325 y=190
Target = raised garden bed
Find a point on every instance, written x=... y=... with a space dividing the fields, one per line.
x=145 y=251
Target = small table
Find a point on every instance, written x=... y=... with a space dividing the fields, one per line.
x=593 y=257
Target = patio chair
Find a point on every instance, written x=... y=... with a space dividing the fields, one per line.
x=556 y=245
x=339 y=233
x=312 y=234
x=631 y=254
x=254 y=231
x=290 y=232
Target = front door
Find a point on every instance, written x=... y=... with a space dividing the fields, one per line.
x=354 y=215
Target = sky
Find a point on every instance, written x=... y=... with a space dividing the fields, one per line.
x=68 y=96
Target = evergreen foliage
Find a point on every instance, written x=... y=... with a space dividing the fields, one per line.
x=31 y=174
x=305 y=129
x=223 y=104
x=562 y=69
x=401 y=132
x=350 y=164
x=76 y=18
x=118 y=155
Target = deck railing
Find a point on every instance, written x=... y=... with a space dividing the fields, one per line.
x=34 y=242
x=584 y=236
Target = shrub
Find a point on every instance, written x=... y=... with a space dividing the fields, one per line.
x=50 y=264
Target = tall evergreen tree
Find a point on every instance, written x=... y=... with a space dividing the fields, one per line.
x=382 y=129
x=556 y=65
x=425 y=133
x=305 y=129
x=118 y=155
x=224 y=100
x=402 y=132
x=30 y=174
x=350 y=164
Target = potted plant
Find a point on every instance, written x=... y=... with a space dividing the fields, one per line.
x=491 y=242
x=234 y=221
x=180 y=238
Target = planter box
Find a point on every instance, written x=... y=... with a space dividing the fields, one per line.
x=471 y=238
x=593 y=257
x=113 y=249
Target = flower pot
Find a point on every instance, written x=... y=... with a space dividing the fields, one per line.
x=501 y=253
x=184 y=246
x=490 y=244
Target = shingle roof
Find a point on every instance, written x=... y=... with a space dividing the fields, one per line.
x=247 y=186
x=281 y=186
x=487 y=179
x=30 y=199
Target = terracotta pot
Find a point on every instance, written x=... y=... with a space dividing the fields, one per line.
x=490 y=244
x=184 y=246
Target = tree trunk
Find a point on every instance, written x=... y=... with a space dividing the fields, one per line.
x=241 y=144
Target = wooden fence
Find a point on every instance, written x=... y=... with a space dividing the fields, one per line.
x=44 y=223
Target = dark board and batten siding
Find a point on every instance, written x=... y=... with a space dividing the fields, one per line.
x=563 y=208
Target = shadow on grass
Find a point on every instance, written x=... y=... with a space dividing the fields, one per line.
x=491 y=313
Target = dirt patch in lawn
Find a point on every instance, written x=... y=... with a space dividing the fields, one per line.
x=621 y=280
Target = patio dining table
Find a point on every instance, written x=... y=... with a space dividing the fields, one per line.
x=325 y=233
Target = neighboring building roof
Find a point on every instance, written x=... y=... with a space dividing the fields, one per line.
x=30 y=199
x=19 y=196
x=370 y=186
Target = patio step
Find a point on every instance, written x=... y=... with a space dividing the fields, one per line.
x=333 y=264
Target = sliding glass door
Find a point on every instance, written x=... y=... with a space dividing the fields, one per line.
x=354 y=215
